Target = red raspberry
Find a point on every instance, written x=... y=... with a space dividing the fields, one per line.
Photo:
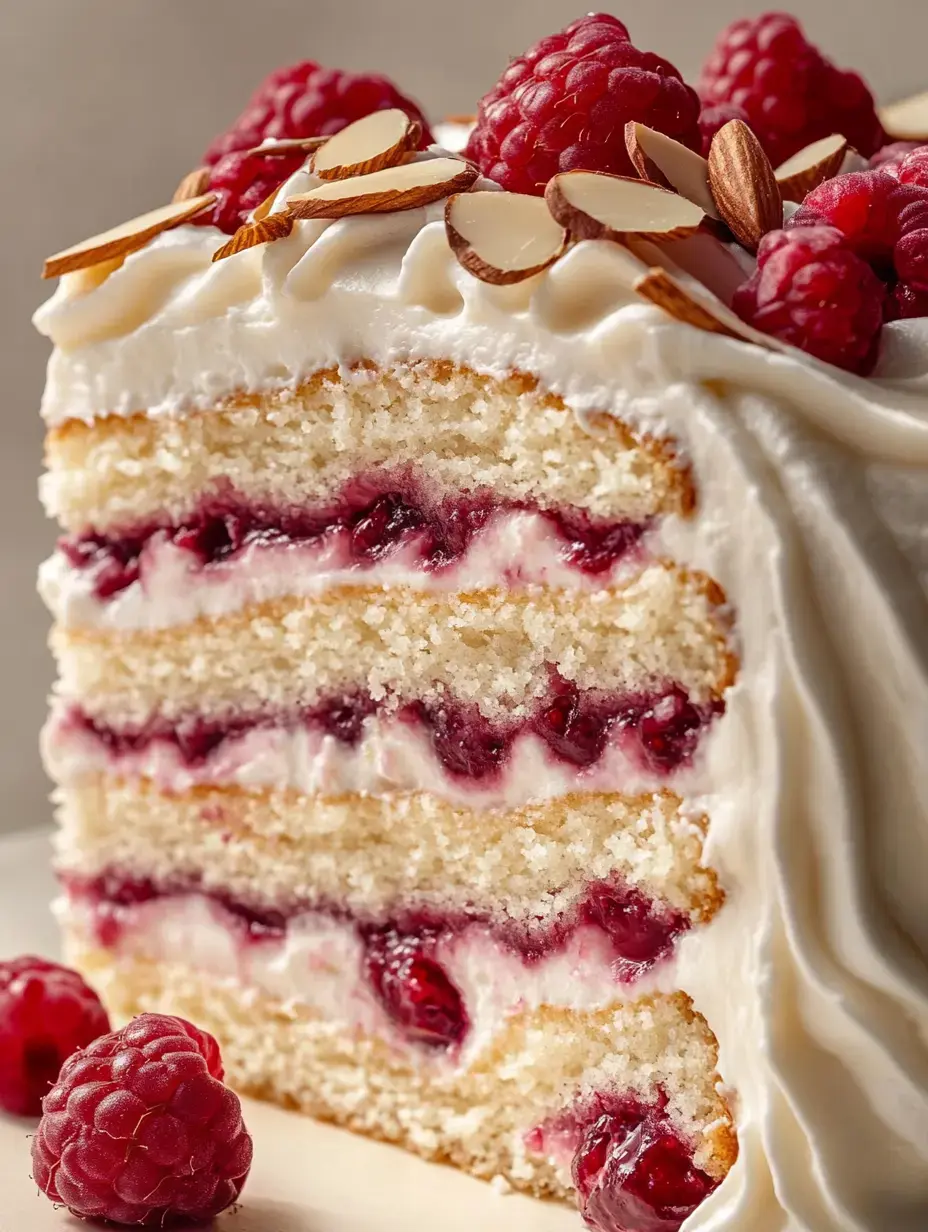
x=242 y=182
x=711 y=119
x=793 y=95
x=905 y=302
x=138 y=1130
x=869 y=208
x=914 y=167
x=46 y=1013
x=565 y=103
x=889 y=158
x=811 y=290
x=307 y=100
x=910 y=258
x=413 y=988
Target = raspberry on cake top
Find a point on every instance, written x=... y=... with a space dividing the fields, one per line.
x=491 y=623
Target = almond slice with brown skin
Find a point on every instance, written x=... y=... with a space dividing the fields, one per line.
x=663 y=161
x=194 y=184
x=502 y=237
x=743 y=184
x=250 y=234
x=381 y=139
x=907 y=120
x=395 y=188
x=127 y=237
x=812 y=166
x=288 y=145
x=593 y=205
x=695 y=305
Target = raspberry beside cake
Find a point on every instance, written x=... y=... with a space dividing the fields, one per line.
x=457 y=711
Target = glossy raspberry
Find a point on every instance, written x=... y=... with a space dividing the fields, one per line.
x=792 y=94
x=914 y=167
x=308 y=100
x=565 y=103
x=711 y=119
x=889 y=158
x=811 y=290
x=139 y=1131
x=905 y=302
x=634 y=1174
x=46 y=1013
x=242 y=182
x=413 y=987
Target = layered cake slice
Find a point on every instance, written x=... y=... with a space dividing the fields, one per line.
x=460 y=711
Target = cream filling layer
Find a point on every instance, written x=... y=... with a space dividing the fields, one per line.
x=515 y=549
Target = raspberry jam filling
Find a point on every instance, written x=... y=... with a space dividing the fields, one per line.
x=403 y=955
x=375 y=515
x=658 y=731
x=632 y=1170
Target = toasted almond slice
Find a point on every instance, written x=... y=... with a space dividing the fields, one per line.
x=593 y=205
x=395 y=188
x=502 y=237
x=744 y=185
x=907 y=120
x=250 y=234
x=381 y=139
x=128 y=237
x=288 y=145
x=262 y=210
x=194 y=184
x=812 y=166
x=671 y=165
x=695 y=305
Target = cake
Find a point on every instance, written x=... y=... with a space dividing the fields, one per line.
x=493 y=691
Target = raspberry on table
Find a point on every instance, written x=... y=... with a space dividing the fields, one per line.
x=242 y=182
x=47 y=1012
x=140 y=1130
x=564 y=104
x=811 y=290
x=309 y=100
x=791 y=93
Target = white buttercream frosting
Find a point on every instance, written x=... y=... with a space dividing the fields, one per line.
x=813 y=501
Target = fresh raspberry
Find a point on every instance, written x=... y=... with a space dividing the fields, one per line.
x=914 y=167
x=711 y=119
x=565 y=103
x=889 y=158
x=910 y=258
x=242 y=182
x=904 y=302
x=792 y=94
x=811 y=290
x=139 y=1130
x=413 y=988
x=869 y=208
x=46 y=1013
x=307 y=100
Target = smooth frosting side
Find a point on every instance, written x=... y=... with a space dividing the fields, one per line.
x=814 y=976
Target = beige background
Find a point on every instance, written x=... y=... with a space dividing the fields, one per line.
x=105 y=103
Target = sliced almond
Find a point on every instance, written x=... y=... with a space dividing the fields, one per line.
x=395 y=188
x=907 y=120
x=670 y=164
x=194 y=184
x=812 y=166
x=126 y=238
x=502 y=237
x=262 y=210
x=288 y=145
x=744 y=185
x=593 y=205
x=250 y=234
x=381 y=139
x=694 y=305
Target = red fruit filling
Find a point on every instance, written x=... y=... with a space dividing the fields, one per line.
x=792 y=95
x=413 y=987
x=564 y=105
x=379 y=514
x=659 y=731
x=402 y=955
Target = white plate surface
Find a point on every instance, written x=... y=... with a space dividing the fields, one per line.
x=306 y=1177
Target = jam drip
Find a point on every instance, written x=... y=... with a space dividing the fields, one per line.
x=377 y=515
x=659 y=731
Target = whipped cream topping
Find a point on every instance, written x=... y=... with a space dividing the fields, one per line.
x=514 y=550
x=813 y=500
